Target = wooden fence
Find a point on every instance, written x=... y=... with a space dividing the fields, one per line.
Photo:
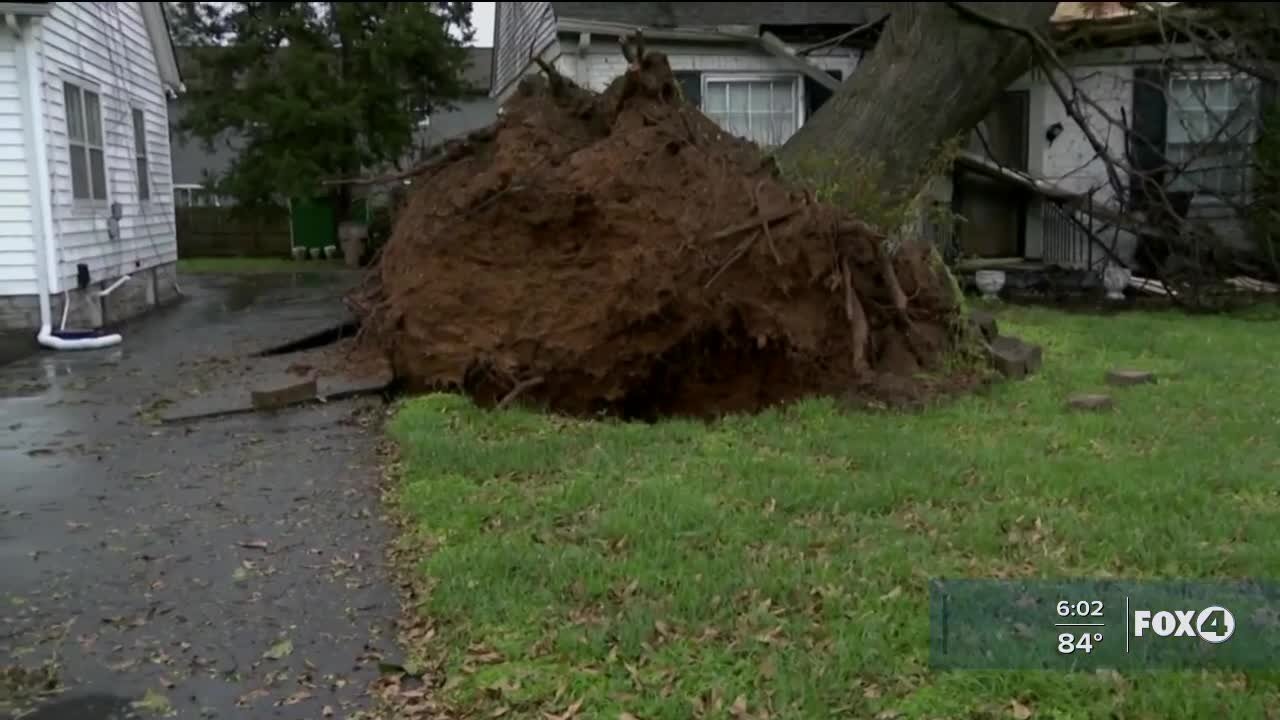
x=233 y=232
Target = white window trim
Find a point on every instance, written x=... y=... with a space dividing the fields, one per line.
x=797 y=87
x=1201 y=199
x=146 y=155
x=87 y=206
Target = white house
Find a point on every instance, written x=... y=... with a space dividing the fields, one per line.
x=85 y=180
x=760 y=69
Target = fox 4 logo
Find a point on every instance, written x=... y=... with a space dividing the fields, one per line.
x=1214 y=624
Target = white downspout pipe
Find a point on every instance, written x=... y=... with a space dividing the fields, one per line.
x=42 y=208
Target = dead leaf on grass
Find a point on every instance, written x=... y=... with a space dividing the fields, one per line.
x=739 y=707
x=627 y=716
x=569 y=713
x=1019 y=711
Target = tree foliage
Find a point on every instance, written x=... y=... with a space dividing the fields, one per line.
x=311 y=91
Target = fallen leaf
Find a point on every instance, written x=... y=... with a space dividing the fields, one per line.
x=895 y=592
x=154 y=702
x=254 y=544
x=280 y=650
x=73 y=525
x=500 y=712
x=739 y=707
x=627 y=716
x=569 y=713
x=297 y=697
x=327 y=711
x=888 y=715
x=1020 y=711
x=239 y=575
x=872 y=692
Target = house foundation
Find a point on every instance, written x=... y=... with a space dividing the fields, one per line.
x=145 y=290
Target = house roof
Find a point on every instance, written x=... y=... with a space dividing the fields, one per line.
x=713 y=14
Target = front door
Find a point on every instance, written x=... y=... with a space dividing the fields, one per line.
x=994 y=211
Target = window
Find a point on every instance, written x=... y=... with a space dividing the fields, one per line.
x=1210 y=127
x=763 y=110
x=140 y=154
x=84 y=141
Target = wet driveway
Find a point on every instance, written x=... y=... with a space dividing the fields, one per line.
x=228 y=568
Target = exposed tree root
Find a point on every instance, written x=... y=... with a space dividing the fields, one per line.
x=857 y=320
x=736 y=255
x=520 y=387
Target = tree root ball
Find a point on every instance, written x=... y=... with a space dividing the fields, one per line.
x=619 y=254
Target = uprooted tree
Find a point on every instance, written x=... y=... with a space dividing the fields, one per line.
x=936 y=70
x=620 y=253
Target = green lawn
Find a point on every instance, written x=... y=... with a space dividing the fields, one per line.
x=779 y=562
x=258 y=265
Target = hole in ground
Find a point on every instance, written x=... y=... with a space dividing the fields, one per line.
x=314 y=340
x=710 y=375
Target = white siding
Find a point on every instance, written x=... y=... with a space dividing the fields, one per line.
x=1070 y=161
x=104 y=46
x=524 y=29
x=604 y=62
x=17 y=244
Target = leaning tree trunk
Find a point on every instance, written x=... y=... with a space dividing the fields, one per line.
x=935 y=73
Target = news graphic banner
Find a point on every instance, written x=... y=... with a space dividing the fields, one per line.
x=1091 y=625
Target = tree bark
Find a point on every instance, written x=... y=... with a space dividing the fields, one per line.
x=934 y=73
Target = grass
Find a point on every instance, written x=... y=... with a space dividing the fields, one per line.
x=780 y=562
x=234 y=265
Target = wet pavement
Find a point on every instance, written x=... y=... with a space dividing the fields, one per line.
x=229 y=568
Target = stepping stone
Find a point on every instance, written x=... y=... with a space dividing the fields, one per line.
x=1125 y=378
x=283 y=396
x=1089 y=402
x=985 y=323
x=1014 y=358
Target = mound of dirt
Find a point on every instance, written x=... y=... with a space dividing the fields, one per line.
x=618 y=253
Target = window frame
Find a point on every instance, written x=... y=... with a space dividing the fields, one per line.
x=141 y=154
x=84 y=88
x=1210 y=197
x=797 y=91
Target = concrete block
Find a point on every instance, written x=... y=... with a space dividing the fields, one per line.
x=1125 y=378
x=1089 y=402
x=1014 y=358
x=166 y=283
x=85 y=312
x=129 y=300
x=19 y=312
x=283 y=395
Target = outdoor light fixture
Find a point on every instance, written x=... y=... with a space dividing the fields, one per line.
x=1053 y=132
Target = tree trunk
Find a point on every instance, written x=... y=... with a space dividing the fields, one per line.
x=934 y=73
